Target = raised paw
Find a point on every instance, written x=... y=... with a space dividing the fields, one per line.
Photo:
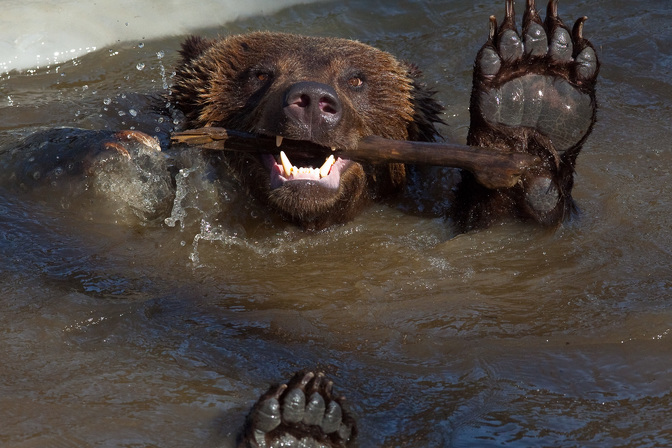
x=534 y=92
x=302 y=413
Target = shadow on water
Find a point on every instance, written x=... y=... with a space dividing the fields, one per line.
x=163 y=334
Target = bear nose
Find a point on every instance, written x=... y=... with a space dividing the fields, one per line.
x=313 y=103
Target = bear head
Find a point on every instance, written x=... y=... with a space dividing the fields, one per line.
x=328 y=91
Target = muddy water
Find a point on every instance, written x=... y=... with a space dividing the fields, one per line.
x=122 y=335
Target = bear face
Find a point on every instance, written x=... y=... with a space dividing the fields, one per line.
x=329 y=91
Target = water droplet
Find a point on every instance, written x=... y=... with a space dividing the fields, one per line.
x=141 y=45
x=140 y=65
x=133 y=112
x=160 y=54
x=107 y=101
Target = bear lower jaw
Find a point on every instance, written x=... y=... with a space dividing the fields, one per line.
x=314 y=207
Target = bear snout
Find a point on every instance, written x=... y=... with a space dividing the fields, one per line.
x=313 y=105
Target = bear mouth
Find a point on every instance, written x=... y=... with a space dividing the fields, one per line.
x=325 y=172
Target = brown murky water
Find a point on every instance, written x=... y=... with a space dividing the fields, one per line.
x=124 y=336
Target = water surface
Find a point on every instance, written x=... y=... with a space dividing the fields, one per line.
x=118 y=335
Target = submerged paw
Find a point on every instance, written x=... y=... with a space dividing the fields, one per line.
x=543 y=78
x=302 y=413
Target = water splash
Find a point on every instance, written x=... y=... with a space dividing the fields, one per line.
x=162 y=71
x=209 y=232
x=179 y=211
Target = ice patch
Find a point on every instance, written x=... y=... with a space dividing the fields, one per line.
x=46 y=32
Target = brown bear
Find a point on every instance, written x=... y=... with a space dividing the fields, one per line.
x=533 y=92
x=325 y=90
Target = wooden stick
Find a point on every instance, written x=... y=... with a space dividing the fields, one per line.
x=492 y=168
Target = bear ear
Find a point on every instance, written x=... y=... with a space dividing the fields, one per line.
x=426 y=109
x=193 y=47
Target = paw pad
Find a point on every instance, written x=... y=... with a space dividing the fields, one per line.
x=302 y=413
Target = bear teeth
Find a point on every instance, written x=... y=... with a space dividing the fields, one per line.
x=324 y=169
x=286 y=164
x=278 y=141
x=289 y=170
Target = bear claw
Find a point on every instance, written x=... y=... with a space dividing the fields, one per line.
x=543 y=81
x=563 y=45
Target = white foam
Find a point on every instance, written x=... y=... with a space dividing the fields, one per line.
x=44 y=32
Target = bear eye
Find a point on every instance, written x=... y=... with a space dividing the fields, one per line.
x=260 y=75
x=356 y=82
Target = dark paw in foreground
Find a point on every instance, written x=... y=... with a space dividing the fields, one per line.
x=534 y=92
x=302 y=413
